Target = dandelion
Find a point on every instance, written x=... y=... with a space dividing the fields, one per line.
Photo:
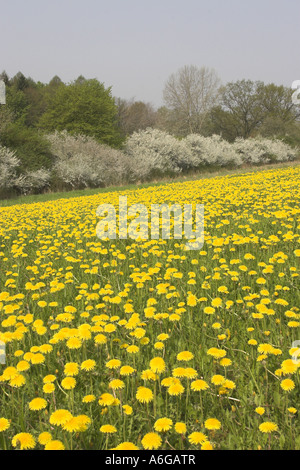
x=113 y=364
x=127 y=409
x=197 y=438
x=289 y=366
x=68 y=383
x=151 y=441
x=209 y=310
x=88 y=399
x=144 y=395
x=268 y=427
x=108 y=429
x=116 y=384
x=287 y=385
x=48 y=388
x=133 y=349
x=176 y=389
x=18 y=381
x=25 y=440
x=163 y=424
x=44 y=438
x=88 y=365
x=37 y=404
x=60 y=417
x=199 y=385
x=4 y=424
x=106 y=399
x=212 y=424
x=217 y=353
x=157 y=365
x=126 y=446
x=180 y=428
x=185 y=356
x=206 y=446
x=71 y=369
x=127 y=370
x=54 y=445
x=74 y=343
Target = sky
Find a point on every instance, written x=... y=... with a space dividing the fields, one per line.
x=133 y=46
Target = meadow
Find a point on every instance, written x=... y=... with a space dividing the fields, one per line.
x=142 y=344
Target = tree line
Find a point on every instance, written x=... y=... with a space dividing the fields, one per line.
x=195 y=102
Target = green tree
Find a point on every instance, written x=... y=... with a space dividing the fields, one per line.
x=83 y=107
x=249 y=108
x=32 y=149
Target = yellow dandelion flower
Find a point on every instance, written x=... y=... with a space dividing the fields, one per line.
x=197 y=438
x=44 y=438
x=199 y=385
x=212 y=423
x=163 y=424
x=37 y=404
x=287 y=385
x=151 y=441
x=4 y=424
x=185 y=356
x=108 y=429
x=88 y=365
x=54 y=445
x=144 y=395
x=60 y=417
x=24 y=440
x=157 y=365
x=268 y=427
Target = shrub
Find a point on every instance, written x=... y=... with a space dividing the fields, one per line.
x=154 y=153
x=33 y=181
x=211 y=151
x=260 y=150
x=81 y=162
x=9 y=164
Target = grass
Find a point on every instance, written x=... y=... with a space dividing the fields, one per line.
x=52 y=196
x=208 y=334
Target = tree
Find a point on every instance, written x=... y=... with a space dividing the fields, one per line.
x=243 y=101
x=4 y=77
x=189 y=94
x=83 y=107
x=248 y=108
x=134 y=116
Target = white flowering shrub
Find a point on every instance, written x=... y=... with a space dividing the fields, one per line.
x=9 y=164
x=211 y=151
x=154 y=153
x=259 y=150
x=81 y=161
x=33 y=181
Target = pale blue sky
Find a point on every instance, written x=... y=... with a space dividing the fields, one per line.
x=134 y=45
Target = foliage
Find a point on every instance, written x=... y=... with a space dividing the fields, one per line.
x=261 y=150
x=81 y=161
x=83 y=107
x=155 y=153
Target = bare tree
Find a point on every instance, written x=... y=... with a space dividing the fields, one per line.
x=134 y=116
x=189 y=94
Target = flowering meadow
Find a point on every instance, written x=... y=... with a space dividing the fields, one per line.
x=142 y=344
